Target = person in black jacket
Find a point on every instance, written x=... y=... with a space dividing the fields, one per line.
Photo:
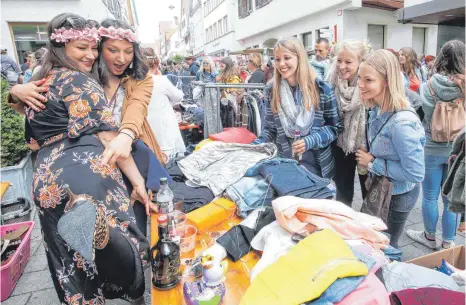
x=254 y=66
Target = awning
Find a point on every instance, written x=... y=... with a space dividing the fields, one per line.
x=442 y=12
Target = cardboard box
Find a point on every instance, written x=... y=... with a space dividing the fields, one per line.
x=454 y=256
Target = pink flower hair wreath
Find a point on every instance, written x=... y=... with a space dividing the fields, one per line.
x=119 y=34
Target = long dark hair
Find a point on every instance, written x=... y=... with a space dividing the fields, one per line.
x=451 y=61
x=56 y=54
x=137 y=70
x=411 y=60
x=230 y=70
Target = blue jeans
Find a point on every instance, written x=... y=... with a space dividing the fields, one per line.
x=436 y=173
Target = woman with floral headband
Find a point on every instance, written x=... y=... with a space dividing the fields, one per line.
x=94 y=247
x=128 y=88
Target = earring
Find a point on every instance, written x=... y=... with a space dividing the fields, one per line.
x=131 y=65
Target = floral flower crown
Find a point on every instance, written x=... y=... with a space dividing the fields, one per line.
x=65 y=35
x=92 y=34
x=119 y=34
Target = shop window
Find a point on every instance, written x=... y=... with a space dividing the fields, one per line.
x=28 y=37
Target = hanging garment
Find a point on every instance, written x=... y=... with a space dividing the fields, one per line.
x=314 y=264
x=295 y=213
x=211 y=112
x=219 y=165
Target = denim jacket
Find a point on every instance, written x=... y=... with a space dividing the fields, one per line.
x=398 y=149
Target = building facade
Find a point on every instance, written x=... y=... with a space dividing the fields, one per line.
x=196 y=28
x=219 y=27
x=23 y=23
x=260 y=23
x=449 y=16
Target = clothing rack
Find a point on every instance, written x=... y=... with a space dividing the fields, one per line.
x=215 y=108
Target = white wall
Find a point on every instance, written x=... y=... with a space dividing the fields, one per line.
x=227 y=41
x=415 y=2
x=44 y=11
x=311 y=23
x=397 y=35
x=197 y=30
x=278 y=13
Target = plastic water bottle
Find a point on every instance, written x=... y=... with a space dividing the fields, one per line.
x=165 y=205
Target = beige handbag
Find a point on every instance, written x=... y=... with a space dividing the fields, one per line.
x=448 y=118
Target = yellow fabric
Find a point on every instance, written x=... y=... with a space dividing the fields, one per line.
x=212 y=214
x=305 y=272
x=202 y=144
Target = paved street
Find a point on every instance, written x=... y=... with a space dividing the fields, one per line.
x=35 y=286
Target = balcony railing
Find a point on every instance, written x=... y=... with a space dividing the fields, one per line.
x=262 y=3
x=244 y=8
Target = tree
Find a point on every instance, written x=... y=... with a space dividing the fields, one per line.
x=13 y=144
x=177 y=58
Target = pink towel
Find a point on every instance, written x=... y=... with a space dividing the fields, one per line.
x=295 y=213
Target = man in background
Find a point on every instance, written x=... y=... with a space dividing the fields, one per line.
x=10 y=69
x=321 y=62
x=193 y=65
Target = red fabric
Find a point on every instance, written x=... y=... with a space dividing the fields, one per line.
x=234 y=135
x=427 y=296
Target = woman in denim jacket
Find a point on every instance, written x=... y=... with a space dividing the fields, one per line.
x=301 y=111
x=447 y=82
x=395 y=135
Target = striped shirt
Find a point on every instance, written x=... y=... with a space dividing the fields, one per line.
x=324 y=131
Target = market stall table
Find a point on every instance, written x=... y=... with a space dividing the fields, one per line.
x=237 y=277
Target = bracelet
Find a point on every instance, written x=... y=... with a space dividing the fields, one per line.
x=127 y=134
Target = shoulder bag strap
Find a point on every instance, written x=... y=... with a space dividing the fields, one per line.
x=432 y=92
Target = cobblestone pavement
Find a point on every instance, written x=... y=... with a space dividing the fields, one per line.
x=35 y=286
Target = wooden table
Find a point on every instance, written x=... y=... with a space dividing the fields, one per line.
x=237 y=277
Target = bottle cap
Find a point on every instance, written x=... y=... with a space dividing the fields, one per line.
x=163 y=181
x=162 y=219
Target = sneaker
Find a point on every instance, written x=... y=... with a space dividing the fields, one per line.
x=420 y=237
x=450 y=245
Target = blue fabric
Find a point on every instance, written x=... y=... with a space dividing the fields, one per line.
x=149 y=166
x=398 y=149
x=194 y=68
x=392 y=253
x=420 y=75
x=325 y=129
x=304 y=183
x=250 y=193
x=255 y=170
x=172 y=78
x=344 y=286
x=436 y=174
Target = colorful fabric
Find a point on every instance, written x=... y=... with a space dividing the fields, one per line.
x=305 y=272
x=70 y=156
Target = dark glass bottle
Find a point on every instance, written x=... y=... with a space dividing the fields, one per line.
x=166 y=264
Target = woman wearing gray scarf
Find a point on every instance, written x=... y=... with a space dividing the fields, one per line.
x=343 y=77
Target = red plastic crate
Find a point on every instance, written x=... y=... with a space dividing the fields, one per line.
x=11 y=272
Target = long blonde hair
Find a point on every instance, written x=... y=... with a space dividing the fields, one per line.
x=211 y=63
x=385 y=63
x=304 y=74
x=358 y=47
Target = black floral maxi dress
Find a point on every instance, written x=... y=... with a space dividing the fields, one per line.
x=70 y=156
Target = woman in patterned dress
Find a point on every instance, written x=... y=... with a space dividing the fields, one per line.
x=70 y=158
x=128 y=87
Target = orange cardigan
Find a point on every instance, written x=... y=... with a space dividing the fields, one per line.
x=134 y=112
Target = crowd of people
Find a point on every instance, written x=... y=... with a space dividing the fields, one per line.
x=99 y=111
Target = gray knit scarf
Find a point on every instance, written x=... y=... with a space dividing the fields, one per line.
x=353 y=115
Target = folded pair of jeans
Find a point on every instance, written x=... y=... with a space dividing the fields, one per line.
x=250 y=193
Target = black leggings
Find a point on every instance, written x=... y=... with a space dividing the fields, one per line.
x=344 y=176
